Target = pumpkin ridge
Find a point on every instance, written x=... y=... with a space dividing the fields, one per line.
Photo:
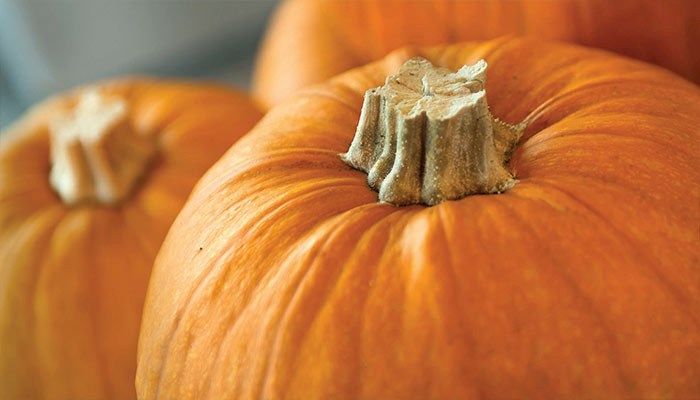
x=567 y=135
x=451 y=270
x=384 y=226
x=672 y=291
x=585 y=301
x=45 y=276
x=392 y=226
x=129 y=224
x=45 y=242
x=162 y=357
x=234 y=318
x=166 y=348
x=337 y=226
x=94 y=311
x=319 y=92
x=551 y=104
x=366 y=208
x=225 y=270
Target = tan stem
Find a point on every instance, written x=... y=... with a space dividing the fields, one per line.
x=95 y=154
x=428 y=136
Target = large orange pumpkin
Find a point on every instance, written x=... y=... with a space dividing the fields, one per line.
x=78 y=236
x=312 y=40
x=284 y=278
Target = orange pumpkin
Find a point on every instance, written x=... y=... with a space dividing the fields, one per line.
x=284 y=278
x=312 y=40
x=90 y=183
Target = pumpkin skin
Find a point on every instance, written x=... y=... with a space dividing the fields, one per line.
x=331 y=36
x=73 y=279
x=283 y=278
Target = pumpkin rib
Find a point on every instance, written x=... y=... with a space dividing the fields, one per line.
x=576 y=171
x=319 y=92
x=597 y=186
x=353 y=382
x=290 y=179
x=54 y=215
x=566 y=136
x=42 y=283
x=673 y=292
x=278 y=208
x=452 y=270
x=336 y=226
x=198 y=283
x=584 y=302
x=94 y=312
x=303 y=239
x=613 y=350
x=391 y=225
x=551 y=104
x=138 y=255
x=8 y=199
x=165 y=349
x=615 y=346
x=129 y=224
x=200 y=119
x=306 y=153
x=499 y=208
x=381 y=225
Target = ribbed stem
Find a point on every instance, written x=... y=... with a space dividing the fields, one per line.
x=96 y=155
x=428 y=136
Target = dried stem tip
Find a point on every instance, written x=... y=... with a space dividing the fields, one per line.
x=95 y=154
x=427 y=136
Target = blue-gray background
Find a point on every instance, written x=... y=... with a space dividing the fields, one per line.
x=50 y=45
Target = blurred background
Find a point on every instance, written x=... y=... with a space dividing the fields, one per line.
x=51 y=45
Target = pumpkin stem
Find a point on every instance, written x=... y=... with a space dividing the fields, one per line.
x=428 y=136
x=95 y=154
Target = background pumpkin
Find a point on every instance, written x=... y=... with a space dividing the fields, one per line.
x=73 y=277
x=284 y=278
x=312 y=40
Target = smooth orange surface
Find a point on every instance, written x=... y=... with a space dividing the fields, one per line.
x=283 y=278
x=73 y=279
x=312 y=40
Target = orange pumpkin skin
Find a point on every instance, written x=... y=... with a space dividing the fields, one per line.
x=312 y=40
x=283 y=278
x=73 y=279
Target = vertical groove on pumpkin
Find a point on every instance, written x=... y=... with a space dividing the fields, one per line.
x=428 y=136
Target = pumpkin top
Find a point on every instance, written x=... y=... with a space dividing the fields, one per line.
x=95 y=154
x=122 y=142
x=420 y=87
x=427 y=136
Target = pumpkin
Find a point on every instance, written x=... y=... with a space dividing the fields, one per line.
x=312 y=40
x=284 y=277
x=90 y=182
